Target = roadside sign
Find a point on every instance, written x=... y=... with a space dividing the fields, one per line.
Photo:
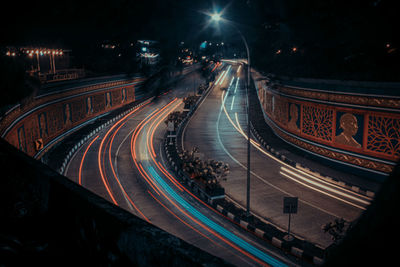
x=171 y=126
x=290 y=205
x=38 y=144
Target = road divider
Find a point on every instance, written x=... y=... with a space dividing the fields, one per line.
x=266 y=231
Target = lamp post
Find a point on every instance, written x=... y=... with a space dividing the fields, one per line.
x=216 y=17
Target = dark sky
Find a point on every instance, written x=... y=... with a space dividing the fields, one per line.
x=79 y=21
x=74 y=22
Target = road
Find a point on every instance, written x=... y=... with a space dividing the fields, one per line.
x=124 y=165
x=218 y=129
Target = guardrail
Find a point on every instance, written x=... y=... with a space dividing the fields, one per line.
x=88 y=136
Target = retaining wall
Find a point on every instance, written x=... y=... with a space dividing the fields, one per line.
x=31 y=127
x=359 y=130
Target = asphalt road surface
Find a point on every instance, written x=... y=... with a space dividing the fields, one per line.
x=219 y=129
x=124 y=164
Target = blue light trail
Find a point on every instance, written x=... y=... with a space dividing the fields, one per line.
x=219 y=229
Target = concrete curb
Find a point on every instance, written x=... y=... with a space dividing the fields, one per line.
x=297 y=165
x=270 y=238
x=274 y=240
x=87 y=137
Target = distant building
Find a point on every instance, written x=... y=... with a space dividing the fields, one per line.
x=47 y=63
x=148 y=52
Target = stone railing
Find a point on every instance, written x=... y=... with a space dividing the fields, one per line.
x=31 y=127
x=359 y=130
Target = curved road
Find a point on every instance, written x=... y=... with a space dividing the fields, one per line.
x=124 y=164
x=218 y=128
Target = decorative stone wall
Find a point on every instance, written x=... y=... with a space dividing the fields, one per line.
x=356 y=129
x=46 y=117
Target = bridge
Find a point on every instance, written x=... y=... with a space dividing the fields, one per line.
x=319 y=140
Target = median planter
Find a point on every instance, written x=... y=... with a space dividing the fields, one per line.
x=204 y=190
x=237 y=215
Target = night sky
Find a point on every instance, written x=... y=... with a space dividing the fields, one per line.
x=70 y=22
x=75 y=21
x=337 y=34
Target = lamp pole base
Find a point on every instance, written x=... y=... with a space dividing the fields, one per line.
x=288 y=238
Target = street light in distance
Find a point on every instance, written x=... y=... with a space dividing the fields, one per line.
x=216 y=17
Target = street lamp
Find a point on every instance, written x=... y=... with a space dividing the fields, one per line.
x=216 y=17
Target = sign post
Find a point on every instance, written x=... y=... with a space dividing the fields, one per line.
x=171 y=129
x=289 y=206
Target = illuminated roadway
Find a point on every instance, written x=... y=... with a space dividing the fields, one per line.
x=219 y=127
x=124 y=164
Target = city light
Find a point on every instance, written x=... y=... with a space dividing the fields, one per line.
x=216 y=17
x=41 y=52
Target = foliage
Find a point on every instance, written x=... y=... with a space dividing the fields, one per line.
x=190 y=100
x=175 y=117
x=208 y=171
x=337 y=229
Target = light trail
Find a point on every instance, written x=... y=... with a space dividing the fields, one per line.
x=220 y=76
x=191 y=212
x=216 y=66
x=226 y=74
x=299 y=174
x=320 y=191
x=259 y=177
x=181 y=220
x=133 y=151
x=236 y=86
x=233 y=101
x=83 y=159
x=233 y=78
x=126 y=196
x=103 y=178
x=325 y=187
x=192 y=218
x=238 y=70
x=101 y=161
x=205 y=221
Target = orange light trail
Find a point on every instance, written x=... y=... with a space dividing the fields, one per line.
x=216 y=65
x=101 y=173
x=83 y=159
x=163 y=110
x=133 y=145
x=160 y=118
x=99 y=159
x=115 y=175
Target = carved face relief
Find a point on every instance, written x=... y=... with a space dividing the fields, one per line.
x=349 y=125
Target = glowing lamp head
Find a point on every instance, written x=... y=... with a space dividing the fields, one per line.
x=216 y=17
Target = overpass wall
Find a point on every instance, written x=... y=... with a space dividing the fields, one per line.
x=32 y=126
x=359 y=130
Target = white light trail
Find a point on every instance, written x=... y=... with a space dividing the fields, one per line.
x=220 y=76
x=298 y=173
x=237 y=82
x=233 y=101
x=231 y=81
x=226 y=74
